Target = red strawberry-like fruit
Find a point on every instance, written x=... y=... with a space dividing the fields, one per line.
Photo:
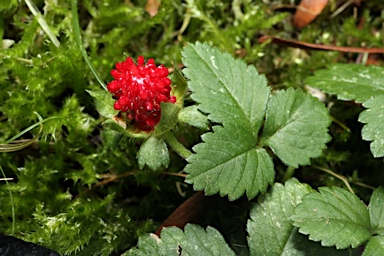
x=139 y=89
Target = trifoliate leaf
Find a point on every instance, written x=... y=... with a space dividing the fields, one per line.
x=235 y=95
x=153 y=153
x=104 y=103
x=375 y=247
x=349 y=81
x=194 y=241
x=168 y=119
x=296 y=127
x=192 y=116
x=373 y=131
x=376 y=211
x=230 y=161
x=229 y=91
x=334 y=216
x=270 y=226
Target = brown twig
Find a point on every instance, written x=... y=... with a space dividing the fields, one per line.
x=320 y=47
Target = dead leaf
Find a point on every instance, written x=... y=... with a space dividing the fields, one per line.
x=191 y=211
x=307 y=11
x=152 y=7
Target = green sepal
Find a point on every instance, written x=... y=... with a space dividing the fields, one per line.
x=153 y=153
x=104 y=103
x=169 y=112
x=192 y=116
x=179 y=85
x=119 y=124
x=167 y=122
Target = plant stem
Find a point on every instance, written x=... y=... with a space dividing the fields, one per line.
x=340 y=177
x=363 y=185
x=176 y=145
x=175 y=174
x=288 y=174
x=340 y=124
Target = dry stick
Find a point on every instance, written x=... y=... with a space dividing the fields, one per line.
x=321 y=47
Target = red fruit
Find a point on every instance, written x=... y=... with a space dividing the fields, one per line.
x=139 y=90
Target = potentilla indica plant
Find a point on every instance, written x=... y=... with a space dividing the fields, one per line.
x=246 y=125
x=216 y=124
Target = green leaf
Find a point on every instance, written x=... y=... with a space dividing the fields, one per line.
x=334 y=216
x=349 y=81
x=375 y=247
x=374 y=129
x=229 y=91
x=194 y=241
x=169 y=112
x=192 y=116
x=270 y=226
x=230 y=164
x=299 y=245
x=296 y=127
x=235 y=95
x=376 y=211
x=104 y=103
x=153 y=153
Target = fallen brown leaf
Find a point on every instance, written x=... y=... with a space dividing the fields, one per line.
x=188 y=212
x=307 y=11
x=152 y=7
